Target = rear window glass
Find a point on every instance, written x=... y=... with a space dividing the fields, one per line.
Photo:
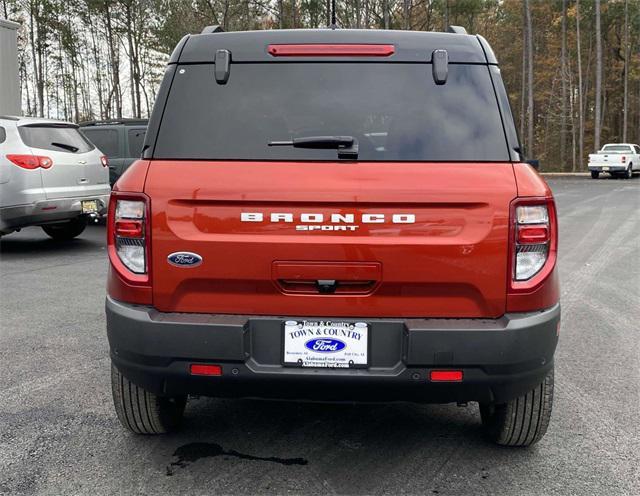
x=56 y=138
x=395 y=111
x=136 y=140
x=3 y=135
x=105 y=139
x=616 y=148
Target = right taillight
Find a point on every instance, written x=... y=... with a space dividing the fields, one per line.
x=533 y=241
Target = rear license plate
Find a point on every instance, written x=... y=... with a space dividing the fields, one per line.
x=605 y=168
x=89 y=206
x=326 y=344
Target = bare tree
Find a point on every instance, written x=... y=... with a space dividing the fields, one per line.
x=563 y=80
x=598 y=103
x=529 y=79
x=523 y=82
x=625 y=105
x=580 y=90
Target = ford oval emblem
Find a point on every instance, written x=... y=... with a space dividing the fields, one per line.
x=184 y=259
x=325 y=345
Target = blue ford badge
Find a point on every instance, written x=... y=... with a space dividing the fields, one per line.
x=325 y=345
x=184 y=259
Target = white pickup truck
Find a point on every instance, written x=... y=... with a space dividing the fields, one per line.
x=618 y=159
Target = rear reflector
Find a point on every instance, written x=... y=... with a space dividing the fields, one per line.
x=445 y=375
x=203 y=369
x=316 y=50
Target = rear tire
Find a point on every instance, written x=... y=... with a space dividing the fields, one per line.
x=629 y=174
x=522 y=421
x=595 y=174
x=142 y=412
x=67 y=230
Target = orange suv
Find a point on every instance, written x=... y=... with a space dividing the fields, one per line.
x=333 y=215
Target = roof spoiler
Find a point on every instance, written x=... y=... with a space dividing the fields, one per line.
x=216 y=28
x=456 y=30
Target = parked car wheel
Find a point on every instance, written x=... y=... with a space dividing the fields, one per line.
x=629 y=174
x=67 y=230
x=522 y=421
x=143 y=412
x=595 y=174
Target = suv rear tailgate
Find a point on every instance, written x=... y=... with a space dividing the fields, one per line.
x=451 y=261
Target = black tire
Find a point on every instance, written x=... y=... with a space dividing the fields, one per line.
x=143 y=412
x=595 y=174
x=629 y=173
x=67 y=230
x=522 y=421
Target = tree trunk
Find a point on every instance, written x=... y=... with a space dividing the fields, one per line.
x=406 y=8
x=530 y=145
x=563 y=72
x=385 y=14
x=580 y=90
x=523 y=82
x=625 y=105
x=598 y=102
x=114 y=61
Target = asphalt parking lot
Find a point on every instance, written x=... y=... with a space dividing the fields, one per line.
x=59 y=434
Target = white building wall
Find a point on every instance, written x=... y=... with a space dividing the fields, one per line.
x=9 y=85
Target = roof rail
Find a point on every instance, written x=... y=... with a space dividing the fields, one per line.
x=106 y=122
x=456 y=30
x=216 y=28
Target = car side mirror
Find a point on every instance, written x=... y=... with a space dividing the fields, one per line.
x=534 y=163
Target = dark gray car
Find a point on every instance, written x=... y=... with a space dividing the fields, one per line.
x=120 y=140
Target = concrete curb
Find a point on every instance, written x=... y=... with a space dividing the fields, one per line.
x=567 y=174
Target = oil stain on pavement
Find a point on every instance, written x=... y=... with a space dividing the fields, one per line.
x=192 y=452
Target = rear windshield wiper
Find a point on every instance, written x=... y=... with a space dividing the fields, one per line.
x=64 y=146
x=347 y=146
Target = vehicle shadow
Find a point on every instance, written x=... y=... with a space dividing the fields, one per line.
x=329 y=438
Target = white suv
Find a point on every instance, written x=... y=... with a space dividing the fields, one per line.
x=50 y=176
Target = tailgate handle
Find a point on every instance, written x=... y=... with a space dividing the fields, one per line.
x=326 y=286
x=327 y=278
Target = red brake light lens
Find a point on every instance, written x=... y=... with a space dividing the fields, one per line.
x=533 y=234
x=30 y=162
x=104 y=161
x=321 y=50
x=129 y=228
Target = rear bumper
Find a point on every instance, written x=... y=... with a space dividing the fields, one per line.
x=501 y=359
x=47 y=211
x=608 y=168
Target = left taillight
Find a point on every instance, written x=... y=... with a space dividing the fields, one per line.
x=30 y=162
x=104 y=161
x=129 y=235
x=533 y=242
